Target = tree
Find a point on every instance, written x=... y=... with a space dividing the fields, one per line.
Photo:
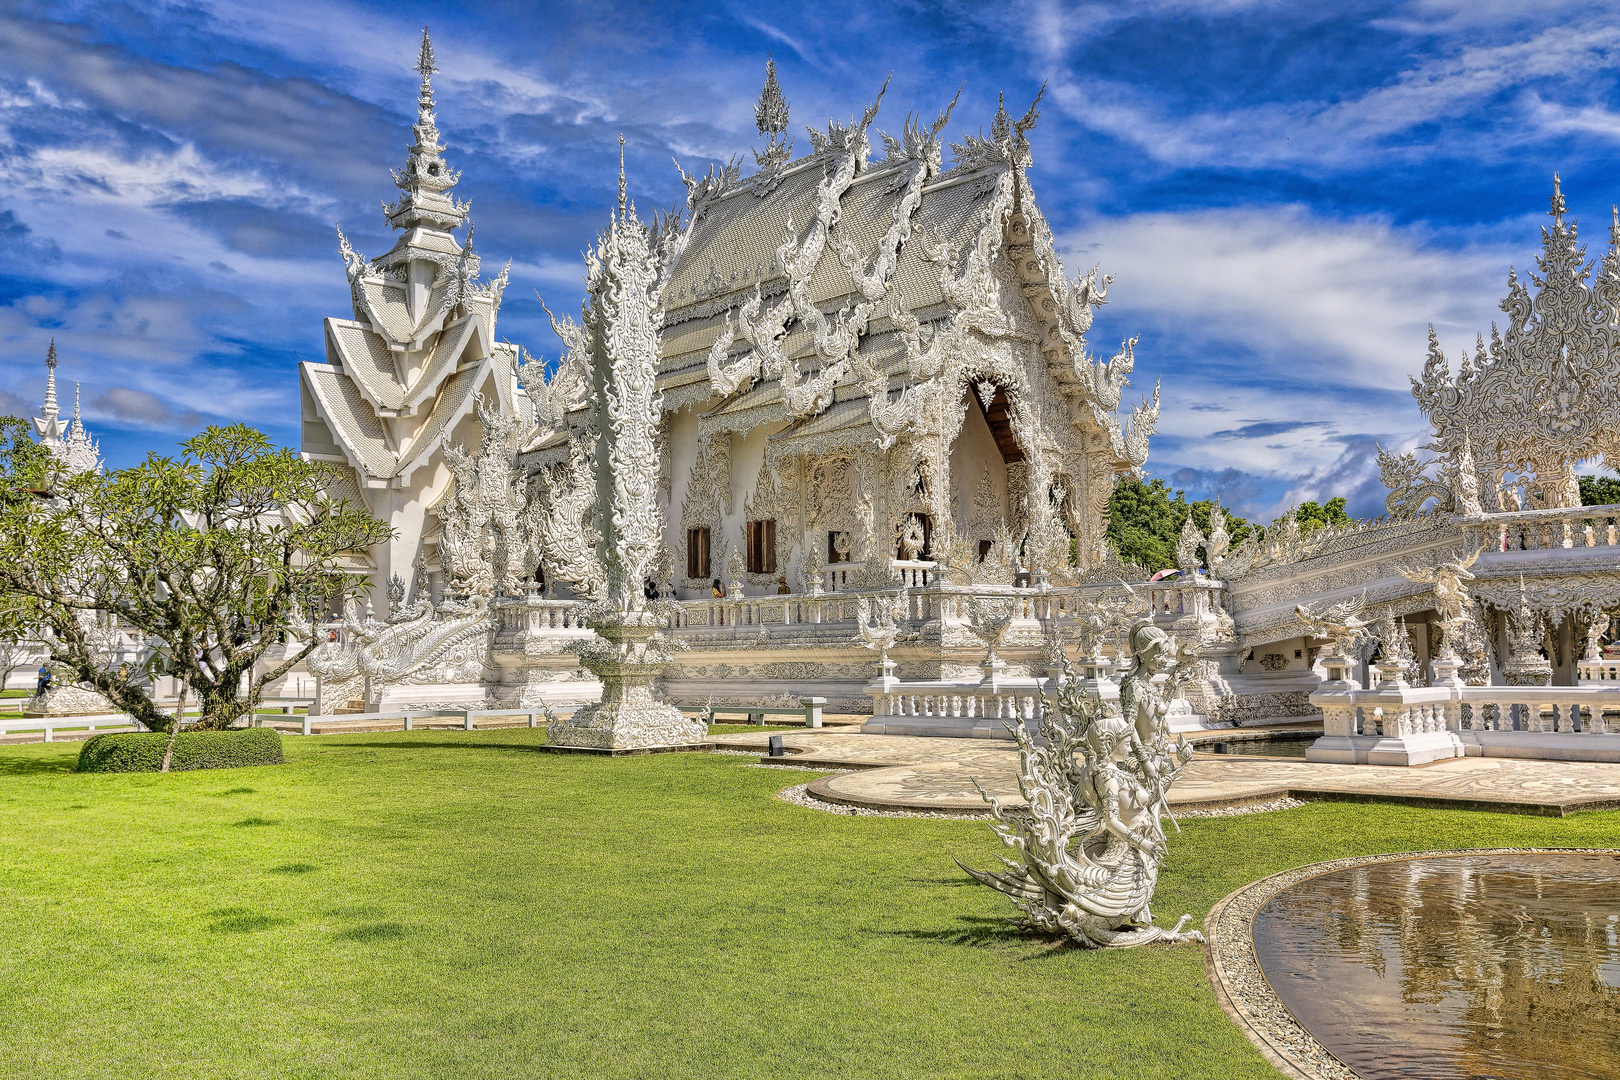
x=23 y=467
x=1145 y=520
x=211 y=558
x=1312 y=517
x=1600 y=490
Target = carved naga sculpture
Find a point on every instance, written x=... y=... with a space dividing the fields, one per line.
x=1092 y=841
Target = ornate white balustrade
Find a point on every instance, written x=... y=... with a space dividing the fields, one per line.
x=1541 y=530
x=1396 y=724
x=537 y=615
x=935 y=601
x=960 y=709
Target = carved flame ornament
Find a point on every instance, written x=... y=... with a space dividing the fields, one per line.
x=622 y=317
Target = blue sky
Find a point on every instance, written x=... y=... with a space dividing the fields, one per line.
x=1288 y=193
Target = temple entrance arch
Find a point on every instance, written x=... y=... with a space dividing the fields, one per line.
x=986 y=465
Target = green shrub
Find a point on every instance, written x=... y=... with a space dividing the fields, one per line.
x=143 y=751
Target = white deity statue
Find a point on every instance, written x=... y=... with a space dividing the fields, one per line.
x=1092 y=839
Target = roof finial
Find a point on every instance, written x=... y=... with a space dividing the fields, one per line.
x=426 y=176
x=50 y=411
x=621 y=175
x=76 y=404
x=771 y=111
x=1557 y=201
x=424 y=58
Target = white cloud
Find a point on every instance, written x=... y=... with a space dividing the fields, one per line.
x=1343 y=303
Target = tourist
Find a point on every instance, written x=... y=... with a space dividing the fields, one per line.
x=782 y=586
x=719 y=590
x=649 y=589
x=44 y=683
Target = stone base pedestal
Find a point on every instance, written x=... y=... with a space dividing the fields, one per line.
x=68 y=701
x=635 y=722
x=431 y=696
x=628 y=717
x=1415 y=749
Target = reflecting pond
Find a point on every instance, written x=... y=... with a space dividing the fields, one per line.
x=1478 y=967
x=1288 y=748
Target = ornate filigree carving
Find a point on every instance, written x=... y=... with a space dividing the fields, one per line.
x=1542 y=396
x=1091 y=842
x=487 y=538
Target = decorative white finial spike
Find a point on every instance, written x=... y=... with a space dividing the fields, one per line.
x=771 y=111
x=424 y=57
x=75 y=403
x=49 y=412
x=1557 y=201
x=621 y=175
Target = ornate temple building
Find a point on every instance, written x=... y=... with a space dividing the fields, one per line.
x=880 y=458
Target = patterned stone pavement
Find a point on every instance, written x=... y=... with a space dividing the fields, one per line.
x=907 y=773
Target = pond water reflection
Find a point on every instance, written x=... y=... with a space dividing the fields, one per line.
x=1475 y=967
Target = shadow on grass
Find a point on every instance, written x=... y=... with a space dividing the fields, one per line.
x=252 y=821
x=978 y=931
x=419 y=744
x=293 y=868
x=241 y=920
x=383 y=931
x=30 y=766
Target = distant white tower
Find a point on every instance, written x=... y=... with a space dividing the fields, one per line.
x=69 y=443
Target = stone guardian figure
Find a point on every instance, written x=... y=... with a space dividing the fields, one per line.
x=1092 y=840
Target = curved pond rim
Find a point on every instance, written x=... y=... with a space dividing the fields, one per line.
x=1246 y=994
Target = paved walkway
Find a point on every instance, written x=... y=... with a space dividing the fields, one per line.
x=897 y=772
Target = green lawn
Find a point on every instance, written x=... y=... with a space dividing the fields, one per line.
x=448 y=904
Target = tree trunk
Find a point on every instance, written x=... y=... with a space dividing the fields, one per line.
x=174 y=729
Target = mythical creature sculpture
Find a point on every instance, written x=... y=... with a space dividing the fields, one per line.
x=1409 y=485
x=417 y=644
x=1341 y=622
x=487 y=540
x=878 y=619
x=1451 y=597
x=1092 y=840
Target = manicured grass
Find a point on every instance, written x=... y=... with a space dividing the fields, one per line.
x=16 y=693
x=449 y=904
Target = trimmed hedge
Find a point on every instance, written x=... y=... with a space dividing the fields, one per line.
x=143 y=751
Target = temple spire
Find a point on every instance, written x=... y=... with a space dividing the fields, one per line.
x=1557 y=202
x=771 y=117
x=425 y=64
x=621 y=176
x=50 y=411
x=426 y=175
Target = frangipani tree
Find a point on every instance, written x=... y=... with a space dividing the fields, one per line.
x=212 y=558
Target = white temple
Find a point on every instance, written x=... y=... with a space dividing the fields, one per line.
x=881 y=456
x=403 y=377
